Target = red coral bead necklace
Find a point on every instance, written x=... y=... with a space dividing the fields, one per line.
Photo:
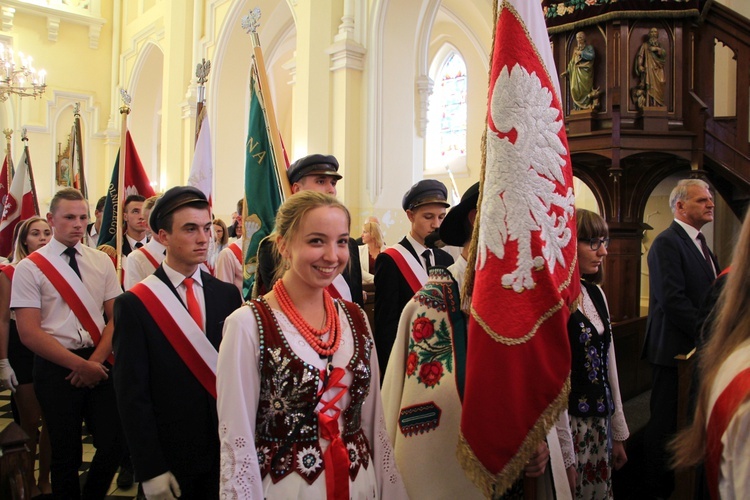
x=313 y=336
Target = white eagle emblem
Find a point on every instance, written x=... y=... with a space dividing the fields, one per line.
x=520 y=180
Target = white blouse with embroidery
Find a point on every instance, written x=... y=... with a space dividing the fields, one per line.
x=238 y=389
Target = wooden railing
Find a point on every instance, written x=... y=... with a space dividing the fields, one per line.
x=14 y=457
x=725 y=140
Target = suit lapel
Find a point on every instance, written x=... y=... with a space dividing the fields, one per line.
x=405 y=243
x=693 y=249
x=213 y=327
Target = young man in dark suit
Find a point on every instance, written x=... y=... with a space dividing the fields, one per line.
x=401 y=270
x=167 y=333
x=136 y=226
x=681 y=269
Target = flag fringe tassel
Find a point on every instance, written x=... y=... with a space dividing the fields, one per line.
x=494 y=485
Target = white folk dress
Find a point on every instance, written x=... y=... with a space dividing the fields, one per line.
x=239 y=393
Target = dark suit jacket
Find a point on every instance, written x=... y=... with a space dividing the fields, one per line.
x=125 y=245
x=392 y=292
x=170 y=420
x=267 y=264
x=679 y=277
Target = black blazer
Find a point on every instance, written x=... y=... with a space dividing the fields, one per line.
x=679 y=277
x=392 y=292
x=169 y=418
x=267 y=264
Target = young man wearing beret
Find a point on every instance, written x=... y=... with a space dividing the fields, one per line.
x=401 y=270
x=319 y=173
x=167 y=333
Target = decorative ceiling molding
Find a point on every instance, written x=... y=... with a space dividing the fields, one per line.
x=85 y=13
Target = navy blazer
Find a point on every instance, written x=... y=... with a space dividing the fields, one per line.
x=392 y=292
x=169 y=418
x=679 y=277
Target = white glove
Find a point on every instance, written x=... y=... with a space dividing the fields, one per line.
x=8 y=378
x=162 y=487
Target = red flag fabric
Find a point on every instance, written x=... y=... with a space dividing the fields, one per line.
x=525 y=275
x=19 y=204
x=136 y=182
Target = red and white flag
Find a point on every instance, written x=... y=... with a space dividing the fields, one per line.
x=525 y=274
x=19 y=204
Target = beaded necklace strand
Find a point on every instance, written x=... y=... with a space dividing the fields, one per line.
x=313 y=336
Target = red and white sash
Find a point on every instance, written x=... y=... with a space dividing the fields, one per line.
x=176 y=324
x=237 y=251
x=410 y=267
x=150 y=257
x=731 y=389
x=70 y=287
x=339 y=288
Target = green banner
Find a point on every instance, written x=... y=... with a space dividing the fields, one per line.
x=262 y=191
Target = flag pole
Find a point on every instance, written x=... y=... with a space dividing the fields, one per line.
x=124 y=111
x=8 y=133
x=25 y=140
x=250 y=23
x=202 y=70
x=78 y=146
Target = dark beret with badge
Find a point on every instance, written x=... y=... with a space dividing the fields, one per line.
x=316 y=164
x=425 y=192
x=174 y=198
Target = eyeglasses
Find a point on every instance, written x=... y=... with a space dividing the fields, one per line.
x=595 y=243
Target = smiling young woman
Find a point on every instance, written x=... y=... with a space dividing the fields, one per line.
x=297 y=379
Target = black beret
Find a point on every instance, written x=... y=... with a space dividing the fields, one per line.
x=424 y=192
x=455 y=229
x=313 y=165
x=173 y=199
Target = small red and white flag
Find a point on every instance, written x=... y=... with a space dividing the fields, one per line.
x=525 y=274
x=19 y=204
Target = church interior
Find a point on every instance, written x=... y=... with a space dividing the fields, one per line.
x=397 y=92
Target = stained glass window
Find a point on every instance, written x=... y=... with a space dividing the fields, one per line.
x=446 y=127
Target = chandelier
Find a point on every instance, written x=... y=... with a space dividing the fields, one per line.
x=23 y=80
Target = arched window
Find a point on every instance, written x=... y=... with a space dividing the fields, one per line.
x=445 y=140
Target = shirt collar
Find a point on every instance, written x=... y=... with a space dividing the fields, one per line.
x=418 y=247
x=176 y=278
x=58 y=248
x=133 y=241
x=690 y=230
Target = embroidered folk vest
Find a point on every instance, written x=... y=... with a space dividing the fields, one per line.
x=288 y=395
x=590 y=395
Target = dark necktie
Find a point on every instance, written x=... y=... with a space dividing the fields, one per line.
x=427 y=258
x=138 y=244
x=706 y=252
x=71 y=253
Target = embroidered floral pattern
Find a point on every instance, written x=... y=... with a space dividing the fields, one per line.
x=593 y=359
x=594 y=470
x=430 y=351
x=309 y=460
x=280 y=401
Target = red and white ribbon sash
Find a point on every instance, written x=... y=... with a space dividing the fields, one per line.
x=735 y=379
x=410 y=267
x=183 y=334
x=237 y=251
x=150 y=257
x=339 y=288
x=74 y=293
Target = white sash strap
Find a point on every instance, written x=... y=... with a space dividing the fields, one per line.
x=416 y=266
x=342 y=287
x=94 y=309
x=184 y=321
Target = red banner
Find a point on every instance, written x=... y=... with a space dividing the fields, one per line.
x=525 y=274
